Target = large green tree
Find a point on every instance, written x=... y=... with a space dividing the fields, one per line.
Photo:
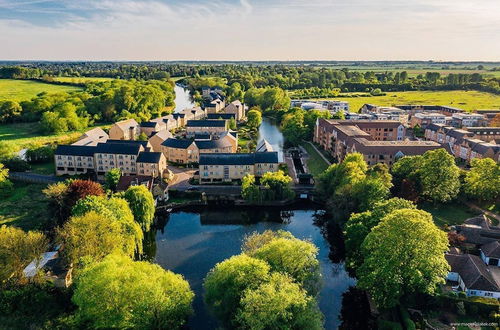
x=226 y=282
x=123 y=294
x=277 y=185
x=17 y=249
x=279 y=303
x=142 y=204
x=291 y=256
x=5 y=184
x=482 y=181
x=9 y=111
x=91 y=237
x=112 y=178
x=254 y=118
x=439 y=176
x=359 y=226
x=403 y=254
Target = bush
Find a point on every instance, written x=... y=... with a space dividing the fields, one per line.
x=388 y=325
x=405 y=317
x=41 y=154
x=16 y=164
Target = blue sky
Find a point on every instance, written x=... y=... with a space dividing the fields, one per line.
x=250 y=29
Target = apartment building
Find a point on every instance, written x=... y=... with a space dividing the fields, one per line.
x=423 y=119
x=487 y=134
x=125 y=130
x=185 y=151
x=467 y=120
x=417 y=108
x=151 y=164
x=208 y=126
x=99 y=159
x=231 y=167
x=378 y=143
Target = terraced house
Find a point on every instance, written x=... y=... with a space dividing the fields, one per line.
x=208 y=126
x=231 y=167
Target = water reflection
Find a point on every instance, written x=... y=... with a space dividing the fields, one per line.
x=270 y=131
x=191 y=243
x=183 y=99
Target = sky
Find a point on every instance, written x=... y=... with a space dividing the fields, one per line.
x=440 y=30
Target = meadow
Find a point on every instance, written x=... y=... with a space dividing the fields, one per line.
x=14 y=137
x=81 y=80
x=467 y=100
x=22 y=90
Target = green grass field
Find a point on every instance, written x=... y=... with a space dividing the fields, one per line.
x=18 y=136
x=79 y=80
x=449 y=214
x=316 y=164
x=22 y=90
x=25 y=207
x=467 y=100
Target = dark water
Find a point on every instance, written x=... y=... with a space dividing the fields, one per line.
x=270 y=131
x=182 y=99
x=191 y=243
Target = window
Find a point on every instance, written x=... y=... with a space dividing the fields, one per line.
x=488 y=294
x=472 y=293
x=59 y=157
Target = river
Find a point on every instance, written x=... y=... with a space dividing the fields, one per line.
x=191 y=243
x=182 y=99
x=270 y=132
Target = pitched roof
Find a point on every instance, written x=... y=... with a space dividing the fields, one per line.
x=264 y=146
x=206 y=123
x=96 y=132
x=118 y=148
x=129 y=142
x=149 y=157
x=212 y=144
x=163 y=135
x=177 y=143
x=473 y=271
x=202 y=136
x=133 y=180
x=125 y=124
x=75 y=150
x=238 y=159
x=492 y=249
x=226 y=116
x=149 y=124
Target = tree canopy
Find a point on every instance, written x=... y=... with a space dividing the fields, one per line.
x=482 y=181
x=120 y=293
x=141 y=203
x=403 y=254
x=254 y=118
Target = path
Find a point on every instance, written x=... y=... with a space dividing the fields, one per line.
x=320 y=153
x=34 y=177
x=488 y=213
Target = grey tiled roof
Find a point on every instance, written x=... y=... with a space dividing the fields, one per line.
x=117 y=148
x=177 y=143
x=69 y=150
x=473 y=272
x=206 y=123
x=239 y=159
x=149 y=157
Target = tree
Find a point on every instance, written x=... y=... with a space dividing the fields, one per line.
x=256 y=240
x=483 y=180
x=5 y=184
x=274 y=99
x=117 y=210
x=91 y=237
x=277 y=185
x=112 y=178
x=439 y=176
x=249 y=190
x=292 y=256
x=232 y=124
x=293 y=127
x=254 y=118
x=17 y=249
x=120 y=293
x=359 y=226
x=226 y=282
x=310 y=118
x=9 y=111
x=403 y=254
x=339 y=115
x=279 y=303
x=142 y=204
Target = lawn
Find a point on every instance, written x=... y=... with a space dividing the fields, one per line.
x=22 y=135
x=25 y=207
x=449 y=214
x=316 y=164
x=81 y=80
x=467 y=100
x=43 y=168
x=22 y=90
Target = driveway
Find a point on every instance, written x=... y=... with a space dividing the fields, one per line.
x=181 y=177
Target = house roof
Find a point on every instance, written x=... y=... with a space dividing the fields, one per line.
x=492 y=249
x=225 y=116
x=133 y=180
x=118 y=148
x=177 y=143
x=206 y=123
x=239 y=159
x=393 y=147
x=75 y=150
x=179 y=115
x=149 y=124
x=129 y=142
x=478 y=230
x=149 y=157
x=202 y=136
x=125 y=124
x=473 y=271
x=213 y=144
x=96 y=132
x=163 y=135
x=264 y=146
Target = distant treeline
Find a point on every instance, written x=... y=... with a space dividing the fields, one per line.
x=285 y=76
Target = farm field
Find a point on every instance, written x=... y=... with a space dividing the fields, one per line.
x=467 y=100
x=79 y=80
x=22 y=90
x=14 y=137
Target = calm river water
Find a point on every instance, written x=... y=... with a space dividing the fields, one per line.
x=191 y=243
x=182 y=99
